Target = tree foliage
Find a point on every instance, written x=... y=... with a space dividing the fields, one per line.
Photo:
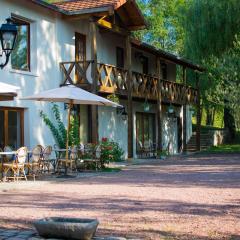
x=210 y=39
x=164 y=28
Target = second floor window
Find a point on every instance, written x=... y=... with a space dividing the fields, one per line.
x=20 y=57
x=164 y=71
x=120 y=57
x=144 y=61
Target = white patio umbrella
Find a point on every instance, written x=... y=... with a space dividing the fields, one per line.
x=71 y=95
x=7 y=91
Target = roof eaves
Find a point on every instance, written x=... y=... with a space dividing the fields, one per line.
x=170 y=56
x=140 y=13
x=53 y=7
x=109 y=9
x=49 y=6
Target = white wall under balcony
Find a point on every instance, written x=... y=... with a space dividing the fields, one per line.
x=112 y=126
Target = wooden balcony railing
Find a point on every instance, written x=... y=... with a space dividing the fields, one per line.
x=75 y=72
x=144 y=85
x=112 y=79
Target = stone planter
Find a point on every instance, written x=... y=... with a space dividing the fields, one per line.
x=67 y=228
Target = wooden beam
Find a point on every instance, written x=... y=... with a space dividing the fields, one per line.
x=198 y=132
x=6 y=98
x=129 y=96
x=94 y=109
x=159 y=106
x=111 y=27
x=184 y=113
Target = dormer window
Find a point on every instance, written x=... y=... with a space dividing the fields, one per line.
x=20 y=57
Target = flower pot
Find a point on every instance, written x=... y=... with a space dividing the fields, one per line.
x=67 y=228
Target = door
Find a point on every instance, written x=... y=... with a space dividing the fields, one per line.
x=145 y=129
x=11 y=127
x=80 y=56
x=179 y=126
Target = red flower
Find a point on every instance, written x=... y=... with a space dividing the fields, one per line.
x=104 y=139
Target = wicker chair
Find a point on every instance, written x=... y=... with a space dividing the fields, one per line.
x=18 y=165
x=46 y=160
x=34 y=165
x=70 y=163
x=92 y=155
x=8 y=157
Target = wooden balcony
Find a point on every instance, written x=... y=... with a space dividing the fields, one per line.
x=111 y=79
x=114 y=80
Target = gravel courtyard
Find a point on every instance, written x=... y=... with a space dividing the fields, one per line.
x=194 y=197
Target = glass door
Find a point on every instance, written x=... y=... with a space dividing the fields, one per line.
x=80 y=56
x=11 y=127
x=145 y=129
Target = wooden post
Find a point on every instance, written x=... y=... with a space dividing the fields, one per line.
x=198 y=132
x=184 y=113
x=129 y=95
x=94 y=109
x=159 y=106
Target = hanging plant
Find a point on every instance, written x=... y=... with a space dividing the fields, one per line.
x=114 y=98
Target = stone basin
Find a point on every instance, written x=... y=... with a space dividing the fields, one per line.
x=67 y=228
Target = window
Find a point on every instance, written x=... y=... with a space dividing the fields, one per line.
x=144 y=61
x=20 y=57
x=120 y=57
x=164 y=71
x=11 y=127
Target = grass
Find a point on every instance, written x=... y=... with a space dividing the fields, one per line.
x=111 y=169
x=225 y=148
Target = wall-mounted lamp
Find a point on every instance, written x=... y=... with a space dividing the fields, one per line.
x=171 y=111
x=74 y=108
x=8 y=35
x=146 y=106
x=140 y=56
x=122 y=112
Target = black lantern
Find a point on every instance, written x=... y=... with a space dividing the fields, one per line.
x=171 y=111
x=122 y=111
x=8 y=35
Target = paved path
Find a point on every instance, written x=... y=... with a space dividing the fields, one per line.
x=194 y=197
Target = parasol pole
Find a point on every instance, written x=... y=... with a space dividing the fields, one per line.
x=68 y=126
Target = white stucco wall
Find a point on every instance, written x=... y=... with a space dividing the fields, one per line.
x=112 y=126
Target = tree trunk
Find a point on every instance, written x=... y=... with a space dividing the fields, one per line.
x=229 y=123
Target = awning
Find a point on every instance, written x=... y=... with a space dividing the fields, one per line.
x=7 y=91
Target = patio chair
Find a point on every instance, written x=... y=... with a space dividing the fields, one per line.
x=8 y=158
x=46 y=160
x=92 y=156
x=18 y=165
x=70 y=163
x=34 y=165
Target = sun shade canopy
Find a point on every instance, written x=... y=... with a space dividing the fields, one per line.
x=73 y=95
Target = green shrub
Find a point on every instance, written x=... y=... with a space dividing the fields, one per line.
x=110 y=151
x=58 y=129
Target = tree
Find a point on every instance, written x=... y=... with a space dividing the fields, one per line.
x=164 y=28
x=210 y=39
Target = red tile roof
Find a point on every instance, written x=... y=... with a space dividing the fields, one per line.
x=77 y=5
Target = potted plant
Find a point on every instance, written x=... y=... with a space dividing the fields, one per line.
x=162 y=154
